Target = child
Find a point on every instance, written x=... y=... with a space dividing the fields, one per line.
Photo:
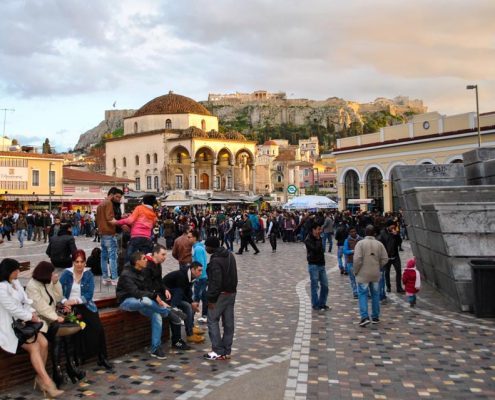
x=411 y=281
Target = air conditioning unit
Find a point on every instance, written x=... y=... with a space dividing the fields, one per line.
x=188 y=193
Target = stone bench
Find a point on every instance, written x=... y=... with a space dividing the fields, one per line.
x=125 y=332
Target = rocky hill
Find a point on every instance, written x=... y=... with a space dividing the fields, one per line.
x=114 y=119
x=263 y=115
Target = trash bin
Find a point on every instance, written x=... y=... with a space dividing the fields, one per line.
x=483 y=273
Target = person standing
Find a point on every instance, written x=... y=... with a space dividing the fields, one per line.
x=221 y=294
x=273 y=231
x=349 y=246
x=411 y=280
x=316 y=268
x=21 y=227
x=392 y=241
x=369 y=258
x=340 y=236
x=182 y=250
x=328 y=232
x=201 y=283
x=246 y=232
x=104 y=216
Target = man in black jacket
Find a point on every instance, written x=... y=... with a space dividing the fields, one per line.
x=222 y=289
x=180 y=283
x=61 y=247
x=392 y=241
x=246 y=232
x=316 y=268
x=133 y=294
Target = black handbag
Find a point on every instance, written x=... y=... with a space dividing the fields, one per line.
x=26 y=331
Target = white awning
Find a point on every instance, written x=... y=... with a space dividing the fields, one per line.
x=360 y=201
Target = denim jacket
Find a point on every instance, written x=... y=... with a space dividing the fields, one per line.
x=87 y=287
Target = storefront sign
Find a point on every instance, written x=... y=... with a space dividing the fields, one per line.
x=13 y=174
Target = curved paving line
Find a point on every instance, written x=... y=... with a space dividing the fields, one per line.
x=297 y=380
x=429 y=314
x=207 y=386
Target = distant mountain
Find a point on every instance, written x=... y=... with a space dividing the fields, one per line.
x=263 y=116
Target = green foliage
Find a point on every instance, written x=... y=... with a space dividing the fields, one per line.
x=373 y=122
x=118 y=133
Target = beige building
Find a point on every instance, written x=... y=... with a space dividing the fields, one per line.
x=173 y=143
x=365 y=163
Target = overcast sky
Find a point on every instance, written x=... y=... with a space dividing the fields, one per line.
x=62 y=63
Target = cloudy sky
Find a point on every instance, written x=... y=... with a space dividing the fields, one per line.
x=63 y=62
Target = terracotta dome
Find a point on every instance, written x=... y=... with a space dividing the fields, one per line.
x=270 y=143
x=172 y=103
x=192 y=132
x=235 y=136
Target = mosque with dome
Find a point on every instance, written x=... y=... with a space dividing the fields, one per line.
x=172 y=143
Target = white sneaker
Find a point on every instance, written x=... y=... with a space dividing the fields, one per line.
x=106 y=282
x=113 y=282
x=203 y=320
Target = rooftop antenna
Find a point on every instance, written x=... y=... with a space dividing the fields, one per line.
x=4 y=121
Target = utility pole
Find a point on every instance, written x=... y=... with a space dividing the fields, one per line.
x=4 y=121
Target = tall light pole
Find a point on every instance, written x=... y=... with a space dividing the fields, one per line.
x=475 y=87
x=4 y=121
x=50 y=187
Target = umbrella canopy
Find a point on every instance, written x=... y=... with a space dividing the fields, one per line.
x=308 y=202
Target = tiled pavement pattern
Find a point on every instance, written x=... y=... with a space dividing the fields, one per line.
x=428 y=352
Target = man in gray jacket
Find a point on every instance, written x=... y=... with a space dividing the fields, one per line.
x=369 y=257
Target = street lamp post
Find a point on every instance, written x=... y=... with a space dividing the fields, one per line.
x=50 y=187
x=475 y=87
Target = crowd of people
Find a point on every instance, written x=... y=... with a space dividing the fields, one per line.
x=368 y=245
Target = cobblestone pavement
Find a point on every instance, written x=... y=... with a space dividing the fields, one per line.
x=283 y=349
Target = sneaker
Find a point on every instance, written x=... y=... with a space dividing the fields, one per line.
x=212 y=356
x=198 y=331
x=181 y=345
x=178 y=312
x=325 y=308
x=203 y=319
x=227 y=356
x=256 y=252
x=355 y=296
x=106 y=282
x=375 y=320
x=113 y=282
x=158 y=353
x=364 y=322
x=195 y=339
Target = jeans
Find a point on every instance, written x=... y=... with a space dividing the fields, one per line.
x=383 y=294
x=340 y=256
x=149 y=308
x=177 y=296
x=30 y=231
x=224 y=310
x=20 y=236
x=109 y=254
x=143 y=244
x=229 y=241
x=327 y=236
x=352 y=278
x=363 y=290
x=318 y=277
x=200 y=286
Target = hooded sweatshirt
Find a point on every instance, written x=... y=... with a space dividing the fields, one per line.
x=199 y=255
x=222 y=274
x=142 y=220
x=411 y=278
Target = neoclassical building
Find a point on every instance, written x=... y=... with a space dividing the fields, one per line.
x=173 y=143
x=365 y=163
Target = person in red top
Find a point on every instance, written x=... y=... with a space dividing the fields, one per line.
x=411 y=280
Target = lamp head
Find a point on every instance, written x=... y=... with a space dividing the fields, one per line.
x=469 y=87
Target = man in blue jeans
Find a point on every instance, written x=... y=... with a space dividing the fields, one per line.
x=349 y=246
x=134 y=295
x=369 y=258
x=316 y=268
x=105 y=214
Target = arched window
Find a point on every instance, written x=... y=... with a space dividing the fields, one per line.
x=179 y=158
x=135 y=127
x=374 y=187
x=148 y=182
x=148 y=159
x=203 y=125
x=114 y=161
x=351 y=185
x=279 y=178
x=156 y=183
x=138 y=183
x=155 y=158
x=456 y=161
x=137 y=160
x=168 y=124
x=124 y=162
